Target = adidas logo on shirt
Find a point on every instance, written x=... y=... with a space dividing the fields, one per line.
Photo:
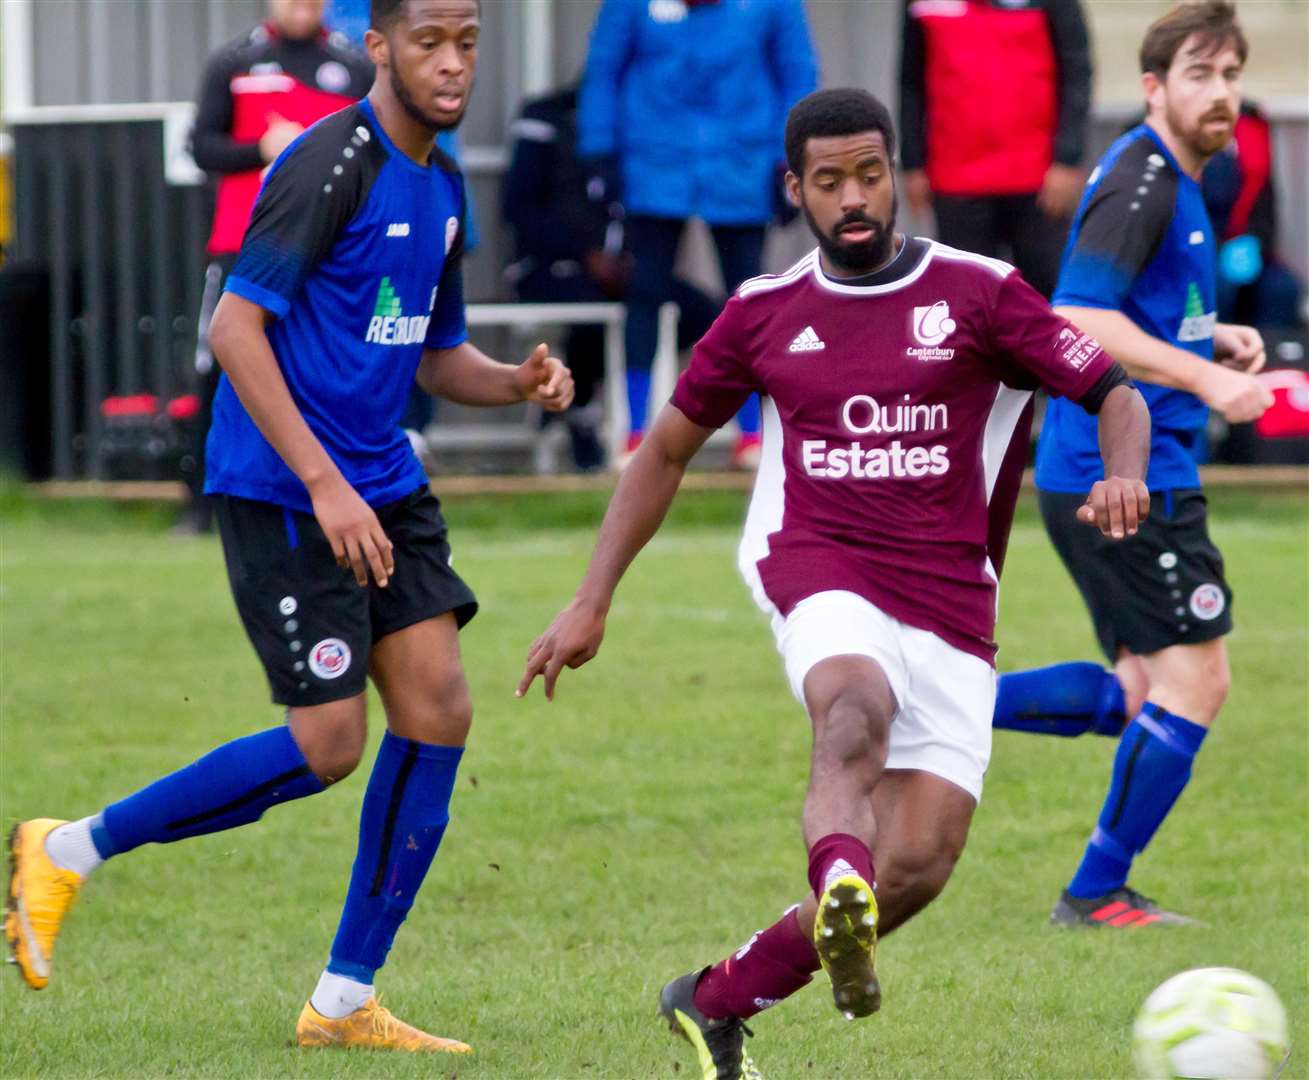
x=807 y=341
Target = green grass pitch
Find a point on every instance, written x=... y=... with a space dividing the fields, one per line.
x=644 y=824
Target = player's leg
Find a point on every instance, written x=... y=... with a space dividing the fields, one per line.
x=851 y=704
x=584 y=353
x=1172 y=613
x=836 y=649
x=1135 y=683
x=306 y=619
x=922 y=826
x=924 y=822
x=967 y=222
x=1038 y=242
x=741 y=257
x=1068 y=699
x=1188 y=685
x=1078 y=696
x=940 y=746
x=653 y=242
x=416 y=668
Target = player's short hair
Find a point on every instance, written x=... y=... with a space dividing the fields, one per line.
x=382 y=13
x=1213 y=20
x=844 y=110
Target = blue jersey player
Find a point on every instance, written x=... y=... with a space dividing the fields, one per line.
x=1139 y=275
x=346 y=289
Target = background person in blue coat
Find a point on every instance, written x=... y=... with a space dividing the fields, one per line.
x=681 y=115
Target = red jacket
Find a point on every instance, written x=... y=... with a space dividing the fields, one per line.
x=992 y=92
x=247 y=83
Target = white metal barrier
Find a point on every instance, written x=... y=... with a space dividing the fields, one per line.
x=613 y=317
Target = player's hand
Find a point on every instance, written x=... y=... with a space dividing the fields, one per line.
x=281 y=133
x=1240 y=348
x=571 y=640
x=1238 y=395
x=918 y=191
x=544 y=379
x=354 y=532
x=1116 y=507
x=1060 y=190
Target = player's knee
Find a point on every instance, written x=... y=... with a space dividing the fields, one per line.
x=456 y=716
x=922 y=867
x=1214 y=685
x=440 y=712
x=850 y=733
x=331 y=737
x=1196 y=688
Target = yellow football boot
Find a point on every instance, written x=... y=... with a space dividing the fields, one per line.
x=370 y=1028
x=845 y=935
x=40 y=894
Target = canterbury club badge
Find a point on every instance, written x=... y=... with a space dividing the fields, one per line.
x=931 y=325
x=330 y=658
x=1207 y=601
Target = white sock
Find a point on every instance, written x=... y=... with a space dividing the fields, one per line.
x=335 y=996
x=70 y=846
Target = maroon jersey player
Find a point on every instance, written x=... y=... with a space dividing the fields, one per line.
x=897 y=375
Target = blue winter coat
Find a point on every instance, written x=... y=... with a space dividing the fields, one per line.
x=693 y=100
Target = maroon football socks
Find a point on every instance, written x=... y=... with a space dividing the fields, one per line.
x=772 y=965
x=837 y=854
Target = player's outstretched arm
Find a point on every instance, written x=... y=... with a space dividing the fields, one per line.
x=644 y=493
x=1237 y=395
x=1120 y=502
x=467 y=376
x=239 y=342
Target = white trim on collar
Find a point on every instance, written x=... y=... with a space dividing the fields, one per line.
x=872 y=290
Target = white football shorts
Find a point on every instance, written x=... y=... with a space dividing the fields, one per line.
x=945 y=695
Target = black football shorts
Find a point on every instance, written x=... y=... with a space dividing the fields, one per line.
x=311 y=623
x=1164 y=586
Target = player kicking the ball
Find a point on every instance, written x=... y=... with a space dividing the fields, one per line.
x=898 y=376
x=347 y=287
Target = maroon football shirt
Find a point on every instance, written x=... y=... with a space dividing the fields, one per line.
x=896 y=423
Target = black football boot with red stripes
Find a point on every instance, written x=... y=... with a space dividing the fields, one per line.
x=1122 y=909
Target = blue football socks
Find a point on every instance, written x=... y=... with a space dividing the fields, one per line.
x=1151 y=768
x=230 y=786
x=638 y=397
x=406 y=810
x=1064 y=699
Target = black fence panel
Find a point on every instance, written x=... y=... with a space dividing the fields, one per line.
x=125 y=254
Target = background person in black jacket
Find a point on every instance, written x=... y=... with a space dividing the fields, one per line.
x=994 y=97
x=569 y=250
x=258 y=92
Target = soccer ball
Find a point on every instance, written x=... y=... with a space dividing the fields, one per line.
x=1210 y=1024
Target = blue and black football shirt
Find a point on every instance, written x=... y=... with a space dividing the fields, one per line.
x=354 y=248
x=1141 y=244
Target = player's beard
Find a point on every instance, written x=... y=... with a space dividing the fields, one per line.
x=409 y=102
x=1202 y=141
x=861 y=258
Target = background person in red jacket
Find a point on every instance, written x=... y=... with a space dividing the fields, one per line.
x=259 y=91
x=994 y=97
